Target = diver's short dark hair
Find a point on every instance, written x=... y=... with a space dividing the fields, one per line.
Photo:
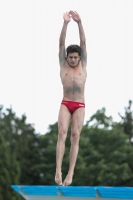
x=73 y=48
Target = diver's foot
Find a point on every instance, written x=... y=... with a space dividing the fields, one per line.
x=58 y=178
x=68 y=180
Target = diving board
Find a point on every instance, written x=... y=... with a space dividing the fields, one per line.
x=74 y=192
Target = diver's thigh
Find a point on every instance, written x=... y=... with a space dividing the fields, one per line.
x=63 y=118
x=78 y=120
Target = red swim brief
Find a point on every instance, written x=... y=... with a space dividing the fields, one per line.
x=72 y=105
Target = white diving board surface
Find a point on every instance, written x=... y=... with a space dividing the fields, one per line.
x=74 y=192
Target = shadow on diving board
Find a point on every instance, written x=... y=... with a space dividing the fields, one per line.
x=73 y=192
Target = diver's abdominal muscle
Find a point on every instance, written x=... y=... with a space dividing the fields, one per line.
x=73 y=88
x=74 y=92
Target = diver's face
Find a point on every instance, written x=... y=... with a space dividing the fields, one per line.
x=73 y=59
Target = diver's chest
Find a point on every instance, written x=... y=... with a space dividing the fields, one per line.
x=68 y=72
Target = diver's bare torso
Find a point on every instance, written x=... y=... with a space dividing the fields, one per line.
x=73 y=81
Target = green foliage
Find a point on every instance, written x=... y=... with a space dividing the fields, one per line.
x=5 y=179
x=22 y=143
x=100 y=120
x=105 y=158
x=27 y=158
x=47 y=149
x=8 y=167
x=127 y=121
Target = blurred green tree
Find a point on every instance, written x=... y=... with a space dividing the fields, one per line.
x=22 y=144
x=8 y=168
x=5 y=179
x=105 y=156
x=127 y=122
